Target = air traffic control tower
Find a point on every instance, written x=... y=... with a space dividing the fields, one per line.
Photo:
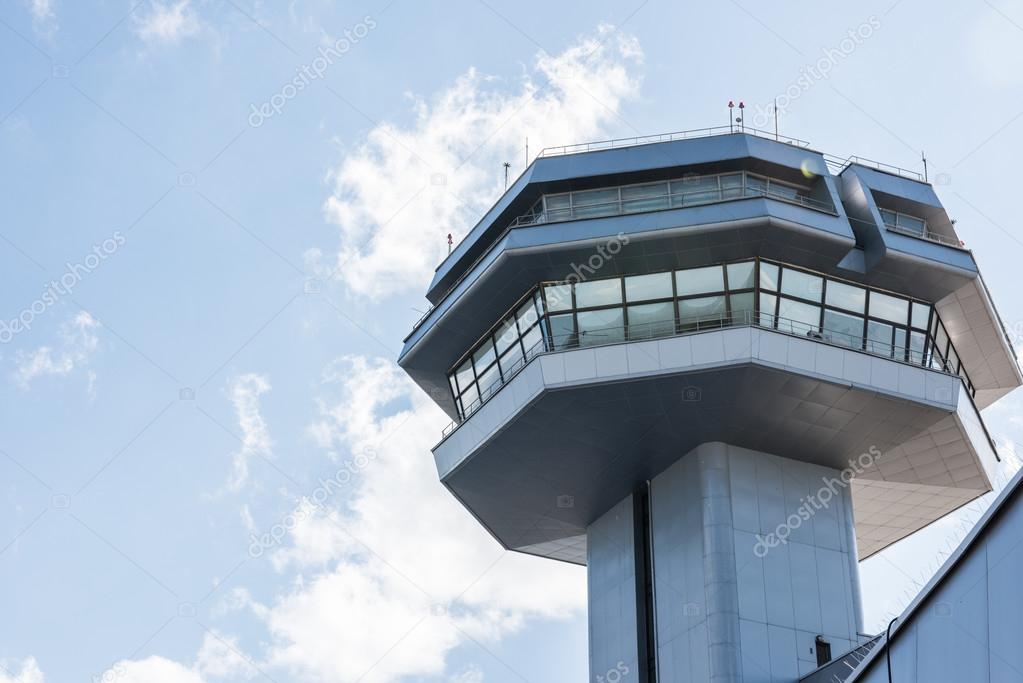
x=718 y=369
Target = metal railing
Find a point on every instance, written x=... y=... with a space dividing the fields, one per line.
x=505 y=377
x=667 y=137
x=839 y=164
x=621 y=207
x=618 y=334
x=836 y=163
x=928 y=235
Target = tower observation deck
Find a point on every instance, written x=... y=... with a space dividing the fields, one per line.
x=718 y=369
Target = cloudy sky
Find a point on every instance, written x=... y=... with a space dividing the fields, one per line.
x=219 y=219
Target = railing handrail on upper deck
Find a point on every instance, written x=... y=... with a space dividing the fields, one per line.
x=839 y=164
x=624 y=333
x=635 y=141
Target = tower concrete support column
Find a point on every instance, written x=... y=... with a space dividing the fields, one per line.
x=752 y=558
x=720 y=585
x=612 y=595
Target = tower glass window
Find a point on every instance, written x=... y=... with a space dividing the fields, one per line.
x=690 y=190
x=903 y=222
x=558 y=316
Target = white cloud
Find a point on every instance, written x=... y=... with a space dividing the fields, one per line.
x=471 y=674
x=396 y=197
x=398 y=574
x=220 y=656
x=44 y=17
x=154 y=669
x=28 y=672
x=245 y=391
x=78 y=342
x=167 y=23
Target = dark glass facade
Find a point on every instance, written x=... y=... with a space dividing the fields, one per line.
x=564 y=315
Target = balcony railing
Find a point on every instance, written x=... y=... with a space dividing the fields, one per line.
x=839 y=164
x=663 y=202
x=927 y=235
x=658 y=330
x=667 y=137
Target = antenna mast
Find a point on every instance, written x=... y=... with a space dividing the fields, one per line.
x=775 y=118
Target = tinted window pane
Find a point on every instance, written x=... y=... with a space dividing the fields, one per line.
x=916 y=347
x=768 y=276
x=844 y=329
x=742 y=308
x=900 y=343
x=643 y=287
x=879 y=338
x=559 y=297
x=511 y=361
x=647 y=197
x=768 y=303
x=470 y=399
x=920 y=315
x=483 y=356
x=647 y=190
x=731 y=186
x=846 y=296
x=889 y=308
x=695 y=190
x=755 y=187
x=595 y=202
x=454 y=386
x=651 y=320
x=488 y=380
x=601 y=327
x=507 y=335
x=700 y=280
x=532 y=340
x=911 y=223
x=803 y=285
x=941 y=341
x=795 y=316
x=776 y=189
x=562 y=331
x=464 y=376
x=888 y=217
x=953 y=360
x=740 y=275
x=557 y=201
x=591 y=197
x=702 y=312
x=526 y=315
x=598 y=293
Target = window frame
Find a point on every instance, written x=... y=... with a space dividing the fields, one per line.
x=933 y=355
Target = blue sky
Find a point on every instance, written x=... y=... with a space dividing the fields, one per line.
x=237 y=259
